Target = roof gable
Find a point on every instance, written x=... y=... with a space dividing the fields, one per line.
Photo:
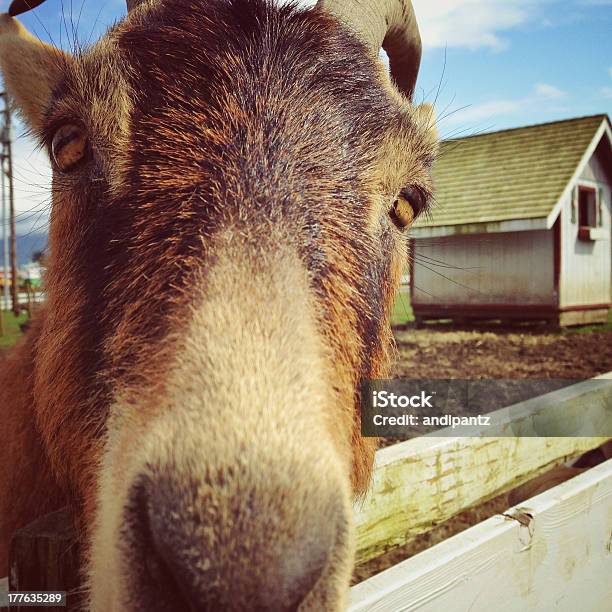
x=511 y=175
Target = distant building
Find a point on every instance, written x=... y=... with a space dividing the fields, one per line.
x=522 y=226
x=31 y=274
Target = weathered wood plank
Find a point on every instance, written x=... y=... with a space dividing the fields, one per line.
x=4 y=587
x=553 y=552
x=44 y=557
x=425 y=481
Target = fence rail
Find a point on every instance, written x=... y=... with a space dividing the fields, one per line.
x=553 y=552
x=37 y=297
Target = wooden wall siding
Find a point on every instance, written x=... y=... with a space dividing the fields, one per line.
x=595 y=170
x=586 y=266
x=500 y=268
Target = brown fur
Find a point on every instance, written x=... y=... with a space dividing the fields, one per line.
x=28 y=489
x=221 y=274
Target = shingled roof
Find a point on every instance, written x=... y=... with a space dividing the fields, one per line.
x=509 y=175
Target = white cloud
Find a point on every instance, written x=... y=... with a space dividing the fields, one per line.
x=485 y=110
x=542 y=93
x=544 y=90
x=468 y=23
x=472 y=23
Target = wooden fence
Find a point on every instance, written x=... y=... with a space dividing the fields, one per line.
x=552 y=552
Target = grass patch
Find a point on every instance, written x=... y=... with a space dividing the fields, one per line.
x=11 y=324
x=588 y=329
x=402 y=310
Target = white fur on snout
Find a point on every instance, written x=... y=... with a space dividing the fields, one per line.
x=118 y=469
x=251 y=384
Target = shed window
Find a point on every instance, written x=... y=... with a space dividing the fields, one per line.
x=587 y=207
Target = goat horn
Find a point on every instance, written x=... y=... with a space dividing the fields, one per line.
x=390 y=24
x=22 y=6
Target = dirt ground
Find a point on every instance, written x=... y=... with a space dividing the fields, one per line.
x=496 y=353
x=434 y=353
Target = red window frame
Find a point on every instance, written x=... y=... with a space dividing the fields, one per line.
x=587 y=218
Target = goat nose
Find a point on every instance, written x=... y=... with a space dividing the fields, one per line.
x=204 y=550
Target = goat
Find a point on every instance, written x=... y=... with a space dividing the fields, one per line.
x=233 y=183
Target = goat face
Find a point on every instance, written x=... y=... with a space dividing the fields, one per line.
x=226 y=238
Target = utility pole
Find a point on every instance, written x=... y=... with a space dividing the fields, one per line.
x=7 y=170
x=9 y=173
x=5 y=249
x=5 y=225
x=5 y=234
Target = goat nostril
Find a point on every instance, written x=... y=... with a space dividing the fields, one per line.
x=153 y=578
x=156 y=568
x=161 y=573
x=182 y=555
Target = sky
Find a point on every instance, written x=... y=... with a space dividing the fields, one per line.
x=487 y=65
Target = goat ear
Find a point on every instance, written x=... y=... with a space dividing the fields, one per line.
x=31 y=69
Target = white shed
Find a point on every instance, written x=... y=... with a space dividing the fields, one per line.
x=521 y=228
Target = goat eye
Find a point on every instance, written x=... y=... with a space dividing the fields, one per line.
x=69 y=147
x=407 y=206
x=402 y=212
